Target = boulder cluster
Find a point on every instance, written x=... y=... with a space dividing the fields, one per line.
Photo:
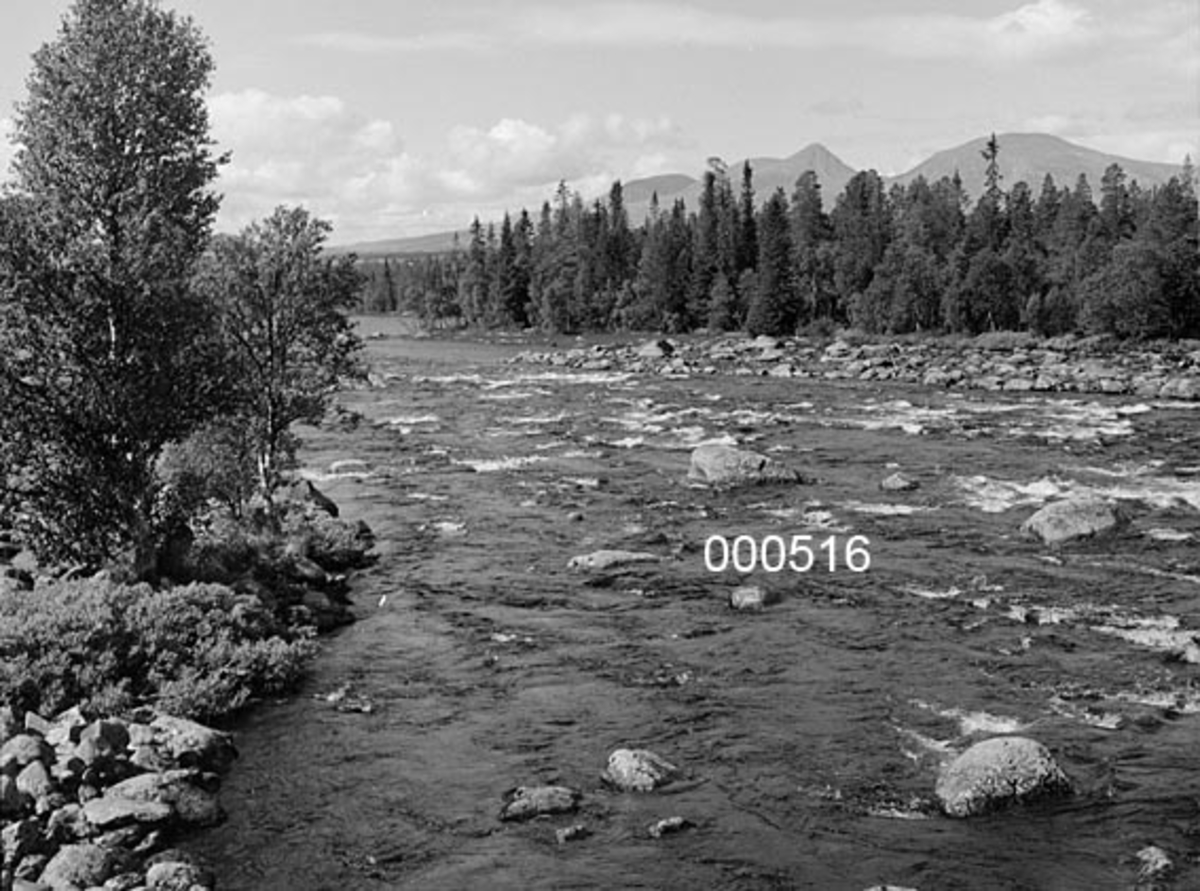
x=1015 y=363
x=96 y=804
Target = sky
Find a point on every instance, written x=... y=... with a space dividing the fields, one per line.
x=394 y=118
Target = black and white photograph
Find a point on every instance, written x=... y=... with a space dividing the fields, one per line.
x=682 y=445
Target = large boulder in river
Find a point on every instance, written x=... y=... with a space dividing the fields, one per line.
x=1073 y=518
x=718 y=463
x=997 y=773
x=638 y=770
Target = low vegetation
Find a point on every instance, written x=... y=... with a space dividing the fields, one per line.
x=151 y=373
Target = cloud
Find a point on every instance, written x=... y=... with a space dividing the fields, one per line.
x=1035 y=29
x=311 y=150
x=837 y=107
x=515 y=153
x=354 y=170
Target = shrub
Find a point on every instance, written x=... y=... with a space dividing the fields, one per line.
x=200 y=651
x=216 y=463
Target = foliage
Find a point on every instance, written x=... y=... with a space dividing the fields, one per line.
x=282 y=316
x=215 y=463
x=105 y=354
x=200 y=651
x=914 y=258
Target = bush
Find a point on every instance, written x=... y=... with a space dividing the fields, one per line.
x=200 y=651
x=216 y=463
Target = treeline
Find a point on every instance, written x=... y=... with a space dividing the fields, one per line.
x=910 y=258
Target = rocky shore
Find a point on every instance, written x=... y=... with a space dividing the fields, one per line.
x=97 y=804
x=1014 y=363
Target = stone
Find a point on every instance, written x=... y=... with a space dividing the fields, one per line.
x=655 y=349
x=68 y=824
x=113 y=811
x=638 y=770
x=899 y=482
x=19 y=839
x=34 y=780
x=607 y=559
x=10 y=726
x=668 y=826
x=718 y=463
x=177 y=876
x=191 y=804
x=998 y=773
x=1072 y=518
x=12 y=802
x=26 y=748
x=192 y=744
x=67 y=727
x=533 y=801
x=109 y=737
x=78 y=866
x=575 y=832
x=751 y=597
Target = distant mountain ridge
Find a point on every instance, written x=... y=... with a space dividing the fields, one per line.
x=1024 y=157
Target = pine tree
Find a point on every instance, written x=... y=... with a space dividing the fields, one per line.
x=775 y=304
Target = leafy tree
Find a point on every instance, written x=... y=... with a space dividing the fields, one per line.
x=1125 y=297
x=105 y=353
x=862 y=230
x=811 y=241
x=283 y=316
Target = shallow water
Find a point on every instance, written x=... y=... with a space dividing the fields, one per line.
x=809 y=733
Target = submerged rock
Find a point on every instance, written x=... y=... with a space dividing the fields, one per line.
x=751 y=597
x=606 y=559
x=533 y=801
x=669 y=826
x=898 y=482
x=638 y=770
x=1072 y=518
x=997 y=773
x=717 y=463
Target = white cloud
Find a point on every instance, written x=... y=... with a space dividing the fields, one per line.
x=310 y=150
x=1038 y=28
x=344 y=166
x=515 y=153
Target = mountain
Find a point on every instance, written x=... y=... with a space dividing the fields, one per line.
x=1029 y=157
x=1024 y=157
x=769 y=174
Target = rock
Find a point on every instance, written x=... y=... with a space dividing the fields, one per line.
x=78 y=866
x=1072 y=518
x=113 y=811
x=34 y=780
x=177 y=876
x=25 y=748
x=109 y=738
x=668 y=826
x=12 y=802
x=638 y=770
x=9 y=725
x=19 y=839
x=717 y=463
x=305 y=492
x=606 y=559
x=68 y=824
x=66 y=728
x=192 y=744
x=751 y=597
x=191 y=804
x=898 y=482
x=533 y=801
x=574 y=832
x=999 y=772
x=655 y=349
x=1156 y=864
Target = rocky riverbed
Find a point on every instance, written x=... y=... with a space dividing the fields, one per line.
x=558 y=678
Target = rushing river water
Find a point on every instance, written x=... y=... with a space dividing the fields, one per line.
x=809 y=733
